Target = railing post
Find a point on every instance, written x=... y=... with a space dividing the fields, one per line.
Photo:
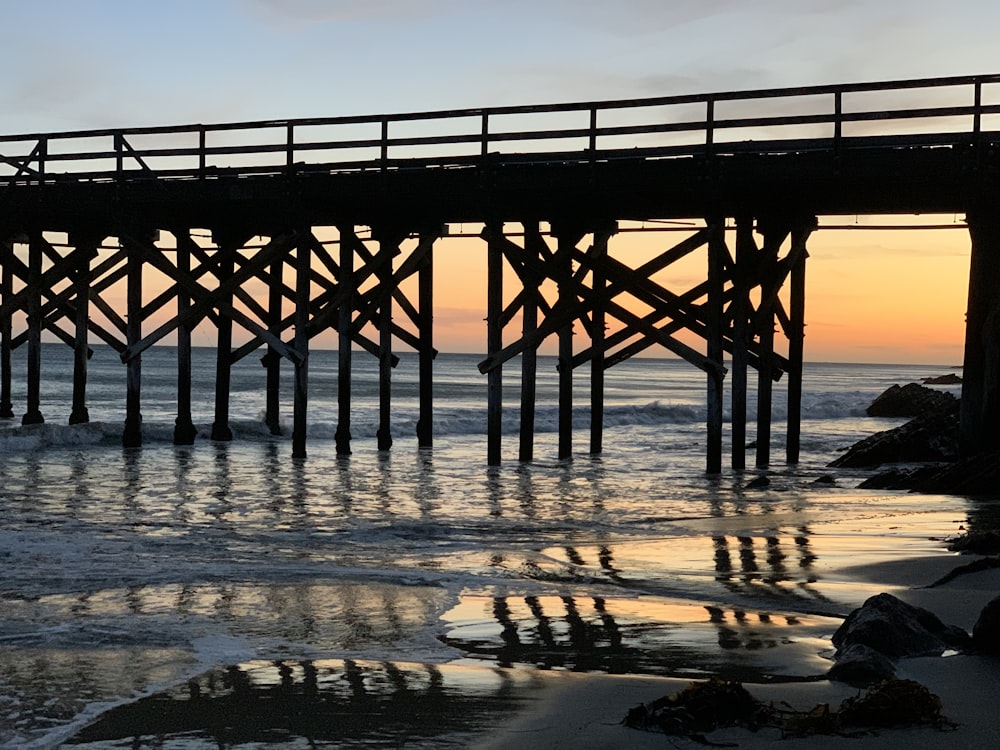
x=290 y=146
x=977 y=115
x=201 y=153
x=485 y=142
x=593 y=132
x=709 y=125
x=385 y=143
x=43 y=152
x=838 y=119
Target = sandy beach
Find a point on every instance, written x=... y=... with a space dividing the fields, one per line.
x=584 y=711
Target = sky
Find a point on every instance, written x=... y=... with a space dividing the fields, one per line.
x=70 y=64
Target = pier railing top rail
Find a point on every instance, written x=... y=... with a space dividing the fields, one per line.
x=917 y=112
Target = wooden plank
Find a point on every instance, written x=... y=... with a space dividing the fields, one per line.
x=494 y=343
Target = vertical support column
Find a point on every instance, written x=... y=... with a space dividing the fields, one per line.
x=6 y=331
x=796 y=348
x=567 y=240
x=272 y=360
x=388 y=247
x=746 y=249
x=714 y=318
x=494 y=343
x=184 y=431
x=345 y=282
x=980 y=406
x=300 y=397
x=132 y=435
x=533 y=243
x=599 y=284
x=224 y=343
x=86 y=250
x=33 y=305
x=425 y=301
x=766 y=267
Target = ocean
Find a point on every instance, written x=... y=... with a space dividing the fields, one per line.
x=226 y=594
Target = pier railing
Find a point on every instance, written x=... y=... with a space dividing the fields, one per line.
x=909 y=113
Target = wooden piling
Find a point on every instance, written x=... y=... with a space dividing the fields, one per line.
x=272 y=359
x=597 y=337
x=86 y=250
x=766 y=267
x=345 y=281
x=980 y=404
x=425 y=302
x=388 y=248
x=533 y=242
x=33 y=304
x=6 y=331
x=746 y=249
x=567 y=240
x=132 y=434
x=717 y=253
x=300 y=396
x=494 y=343
x=796 y=348
x=225 y=267
x=184 y=430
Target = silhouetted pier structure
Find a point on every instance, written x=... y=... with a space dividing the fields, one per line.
x=331 y=224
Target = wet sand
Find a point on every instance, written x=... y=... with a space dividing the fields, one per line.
x=467 y=703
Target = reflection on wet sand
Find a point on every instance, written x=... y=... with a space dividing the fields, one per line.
x=299 y=703
x=644 y=635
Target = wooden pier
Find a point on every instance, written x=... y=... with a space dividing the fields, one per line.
x=292 y=228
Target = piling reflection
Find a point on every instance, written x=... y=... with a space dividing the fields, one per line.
x=646 y=635
x=303 y=702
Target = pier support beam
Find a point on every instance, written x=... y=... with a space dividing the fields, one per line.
x=598 y=325
x=132 y=435
x=567 y=238
x=303 y=265
x=86 y=251
x=389 y=240
x=33 y=305
x=746 y=250
x=272 y=359
x=184 y=430
x=766 y=270
x=796 y=345
x=717 y=253
x=229 y=244
x=346 y=282
x=425 y=333
x=980 y=407
x=534 y=244
x=6 y=330
x=494 y=343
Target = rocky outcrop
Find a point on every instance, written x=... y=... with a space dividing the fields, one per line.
x=911 y=400
x=930 y=437
x=949 y=379
x=885 y=628
x=975 y=475
x=986 y=631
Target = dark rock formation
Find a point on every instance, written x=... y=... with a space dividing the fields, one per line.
x=930 y=437
x=899 y=478
x=895 y=628
x=859 y=664
x=910 y=400
x=975 y=475
x=986 y=631
x=949 y=379
x=977 y=542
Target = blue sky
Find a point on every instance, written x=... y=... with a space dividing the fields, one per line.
x=71 y=64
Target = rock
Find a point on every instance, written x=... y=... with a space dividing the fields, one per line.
x=860 y=665
x=931 y=437
x=825 y=479
x=758 y=483
x=898 y=478
x=910 y=400
x=975 y=475
x=896 y=629
x=977 y=542
x=949 y=379
x=986 y=631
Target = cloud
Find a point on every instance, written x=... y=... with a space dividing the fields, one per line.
x=295 y=13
